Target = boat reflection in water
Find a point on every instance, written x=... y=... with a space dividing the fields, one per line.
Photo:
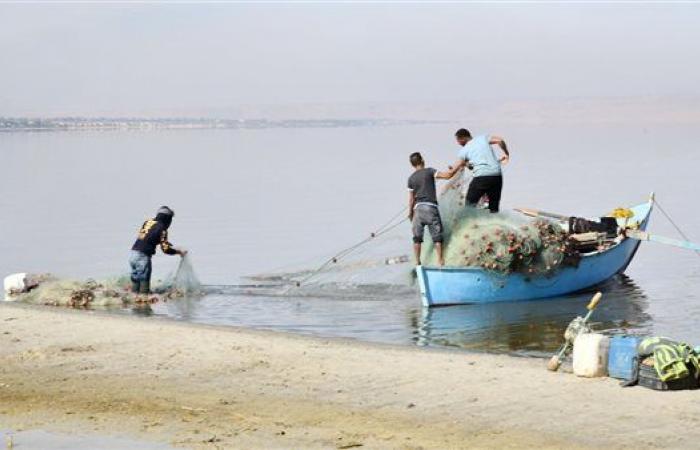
x=533 y=328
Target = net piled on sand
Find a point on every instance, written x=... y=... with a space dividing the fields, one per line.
x=502 y=242
x=112 y=292
x=57 y=292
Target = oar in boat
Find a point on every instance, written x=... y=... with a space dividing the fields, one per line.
x=645 y=236
x=536 y=213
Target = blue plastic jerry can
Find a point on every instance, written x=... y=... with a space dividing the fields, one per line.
x=622 y=356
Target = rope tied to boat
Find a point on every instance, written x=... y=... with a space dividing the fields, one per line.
x=672 y=222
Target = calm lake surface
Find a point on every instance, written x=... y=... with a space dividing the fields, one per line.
x=273 y=200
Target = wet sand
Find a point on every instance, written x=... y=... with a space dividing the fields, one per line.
x=207 y=387
x=41 y=440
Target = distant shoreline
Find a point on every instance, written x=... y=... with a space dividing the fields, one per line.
x=635 y=110
x=140 y=124
x=203 y=387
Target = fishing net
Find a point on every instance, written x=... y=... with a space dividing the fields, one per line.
x=376 y=267
x=382 y=263
x=502 y=242
x=183 y=281
x=113 y=292
x=58 y=292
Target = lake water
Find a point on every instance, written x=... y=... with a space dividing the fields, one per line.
x=268 y=200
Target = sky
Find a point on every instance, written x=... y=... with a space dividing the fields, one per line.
x=113 y=59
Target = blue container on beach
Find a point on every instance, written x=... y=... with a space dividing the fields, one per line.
x=622 y=356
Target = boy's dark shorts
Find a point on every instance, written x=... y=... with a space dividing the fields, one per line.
x=426 y=215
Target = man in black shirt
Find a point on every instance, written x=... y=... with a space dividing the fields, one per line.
x=153 y=233
x=423 y=206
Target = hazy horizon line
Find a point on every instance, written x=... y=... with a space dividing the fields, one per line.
x=647 y=108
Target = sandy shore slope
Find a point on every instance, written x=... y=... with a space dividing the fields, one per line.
x=207 y=387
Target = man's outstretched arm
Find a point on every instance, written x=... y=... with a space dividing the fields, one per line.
x=168 y=248
x=449 y=173
x=497 y=140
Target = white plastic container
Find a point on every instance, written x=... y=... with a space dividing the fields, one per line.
x=591 y=355
x=13 y=283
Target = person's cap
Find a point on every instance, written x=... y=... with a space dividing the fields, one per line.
x=165 y=210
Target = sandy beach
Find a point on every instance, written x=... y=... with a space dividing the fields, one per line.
x=208 y=387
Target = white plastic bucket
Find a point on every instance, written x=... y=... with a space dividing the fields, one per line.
x=591 y=355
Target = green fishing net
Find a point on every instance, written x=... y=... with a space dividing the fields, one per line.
x=60 y=292
x=502 y=242
x=183 y=281
x=113 y=292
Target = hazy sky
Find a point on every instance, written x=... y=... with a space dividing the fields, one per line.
x=112 y=58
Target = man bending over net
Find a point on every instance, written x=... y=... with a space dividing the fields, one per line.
x=153 y=232
x=423 y=206
x=486 y=167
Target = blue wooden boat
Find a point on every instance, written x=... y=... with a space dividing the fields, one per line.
x=466 y=285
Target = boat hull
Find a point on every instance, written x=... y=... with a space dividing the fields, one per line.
x=460 y=285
